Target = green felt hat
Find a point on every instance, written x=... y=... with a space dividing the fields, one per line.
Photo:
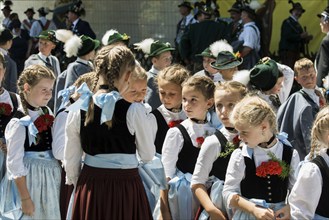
x=118 y=37
x=226 y=60
x=264 y=75
x=88 y=44
x=158 y=47
x=48 y=35
x=206 y=53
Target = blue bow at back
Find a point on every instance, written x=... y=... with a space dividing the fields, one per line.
x=83 y=101
x=65 y=94
x=106 y=101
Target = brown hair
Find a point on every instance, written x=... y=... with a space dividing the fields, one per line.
x=233 y=86
x=175 y=74
x=138 y=73
x=32 y=76
x=301 y=64
x=202 y=84
x=320 y=126
x=111 y=62
x=252 y=111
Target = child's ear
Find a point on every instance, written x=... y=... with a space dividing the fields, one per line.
x=210 y=103
x=26 y=87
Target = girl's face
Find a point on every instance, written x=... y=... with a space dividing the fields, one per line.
x=224 y=103
x=2 y=72
x=277 y=87
x=46 y=46
x=195 y=103
x=40 y=94
x=170 y=94
x=137 y=90
x=250 y=135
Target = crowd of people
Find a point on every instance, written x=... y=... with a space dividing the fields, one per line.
x=213 y=130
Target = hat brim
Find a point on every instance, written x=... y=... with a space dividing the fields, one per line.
x=235 y=10
x=230 y=65
x=157 y=52
x=117 y=40
x=186 y=6
x=302 y=9
x=205 y=55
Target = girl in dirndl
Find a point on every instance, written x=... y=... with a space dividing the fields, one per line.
x=31 y=190
x=260 y=173
x=111 y=132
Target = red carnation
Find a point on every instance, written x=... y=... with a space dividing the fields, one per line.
x=236 y=140
x=5 y=109
x=269 y=168
x=43 y=122
x=172 y=124
x=199 y=141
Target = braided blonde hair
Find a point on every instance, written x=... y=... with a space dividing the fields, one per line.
x=252 y=111
x=32 y=76
x=111 y=62
x=319 y=129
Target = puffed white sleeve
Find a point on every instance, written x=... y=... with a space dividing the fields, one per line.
x=15 y=134
x=294 y=167
x=172 y=145
x=305 y=194
x=234 y=175
x=209 y=152
x=143 y=125
x=72 y=150
x=59 y=135
x=288 y=80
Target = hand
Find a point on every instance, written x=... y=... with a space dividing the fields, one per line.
x=28 y=207
x=283 y=213
x=263 y=213
x=216 y=214
x=3 y=147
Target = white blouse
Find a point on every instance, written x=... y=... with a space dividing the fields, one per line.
x=5 y=98
x=236 y=167
x=305 y=195
x=15 y=135
x=140 y=123
x=171 y=116
x=174 y=142
x=59 y=135
x=209 y=153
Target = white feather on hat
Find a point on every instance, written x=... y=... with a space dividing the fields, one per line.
x=254 y=4
x=63 y=35
x=106 y=36
x=242 y=76
x=72 y=46
x=220 y=46
x=2 y=17
x=145 y=45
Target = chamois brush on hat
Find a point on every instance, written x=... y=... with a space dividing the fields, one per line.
x=113 y=36
x=153 y=47
x=213 y=50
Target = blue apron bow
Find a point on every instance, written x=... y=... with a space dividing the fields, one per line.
x=83 y=101
x=33 y=131
x=65 y=94
x=106 y=101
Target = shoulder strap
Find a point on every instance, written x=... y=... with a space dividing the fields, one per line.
x=186 y=136
x=222 y=140
x=42 y=27
x=306 y=96
x=159 y=117
x=14 y=100
x=321 y=163
x=59 y=111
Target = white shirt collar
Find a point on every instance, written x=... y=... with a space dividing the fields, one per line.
x=3 y=51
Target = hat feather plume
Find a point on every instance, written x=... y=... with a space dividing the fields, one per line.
x=63 y=35
x=242 y=76
x=145 y=45
x=72 y=46
x=106 y=36
x=220 y=46
x=2 y=17
x=254 y=4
